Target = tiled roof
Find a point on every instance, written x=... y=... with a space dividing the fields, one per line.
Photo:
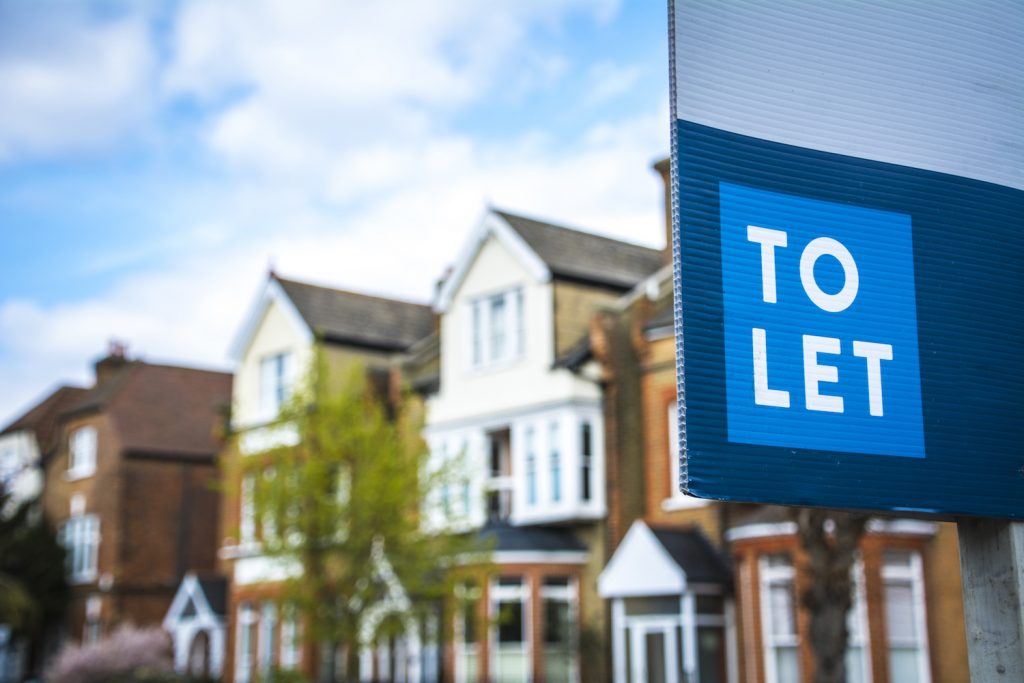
x=163 y=410
x=42 y=419
x=530 y=538
x=694 y=554
x=575 y=255
x=360 y=319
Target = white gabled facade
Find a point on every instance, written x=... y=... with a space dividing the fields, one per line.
x=529 y=432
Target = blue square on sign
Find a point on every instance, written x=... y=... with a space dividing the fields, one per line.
x=820 y=324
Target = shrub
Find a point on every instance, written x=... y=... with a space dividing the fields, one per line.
x=128 y=654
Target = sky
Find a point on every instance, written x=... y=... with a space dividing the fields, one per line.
x=157 y=158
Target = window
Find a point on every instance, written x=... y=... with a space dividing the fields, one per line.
x=247 y=516
x=82 y=457
x=511 y=662
x=467 y=635
x=276 y=375
x=291 y=652
x=778 y=609
x=905 y=627
x=556 y=463
x=676 y=500
x=586 y=460
x=80 y=536
x=499 y=484
x=531 y=468
x=497 y=328
x=267 y=646
x=858 y=665
x=246 y=625
x=558 y=599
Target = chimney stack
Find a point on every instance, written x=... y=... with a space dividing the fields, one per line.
x=109 y=365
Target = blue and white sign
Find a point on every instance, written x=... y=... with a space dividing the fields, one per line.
x=820 y=324
x=850 y=223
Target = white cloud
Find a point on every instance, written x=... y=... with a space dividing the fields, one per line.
x=70 y=81
x=606 y=81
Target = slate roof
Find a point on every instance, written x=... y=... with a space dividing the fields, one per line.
x=43 y=418
x=360 y=319
x=692 y=551
x=585 y=257
x=162 y=410
x=216 y=592
x=530 y=538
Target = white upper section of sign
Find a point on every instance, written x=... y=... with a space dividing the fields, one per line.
x=933 y=84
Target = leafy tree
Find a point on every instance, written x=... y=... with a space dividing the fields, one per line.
x=830 y=539
x=32 y=587
x=346 y=504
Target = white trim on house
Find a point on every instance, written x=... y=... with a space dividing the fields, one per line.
x=641 y=567
x=272 y=293
x=490 y=224
x=766 y=530
x=504 y=557
x=898 y=527
x=184 y=631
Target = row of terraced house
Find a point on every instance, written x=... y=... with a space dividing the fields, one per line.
x=547 y=357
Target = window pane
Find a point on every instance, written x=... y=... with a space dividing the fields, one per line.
x=655 y=645
x=556 y=463
x=498 y=328
x=903 y=665
x=711 y=654
x=585 y=458
x=668 y=604
x=783 y=616
x=531 y=468
x=899 y=613
x=787 y=667
x=477 y=332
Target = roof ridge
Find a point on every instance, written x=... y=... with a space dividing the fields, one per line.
x=349 y=292
x=576 y=230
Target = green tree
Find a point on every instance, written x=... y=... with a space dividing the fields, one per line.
x=33 y=591
x=346 y=504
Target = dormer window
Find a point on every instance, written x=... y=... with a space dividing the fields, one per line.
x=497 y=328
x=276 y=373
x=82 y=452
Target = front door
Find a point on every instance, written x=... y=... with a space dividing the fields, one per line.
x=654 y=650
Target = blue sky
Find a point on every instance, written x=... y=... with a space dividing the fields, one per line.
x=157 y=157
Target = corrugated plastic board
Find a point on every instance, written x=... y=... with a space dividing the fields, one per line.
x=963 y=258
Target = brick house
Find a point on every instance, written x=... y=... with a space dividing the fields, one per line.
x=27 y=442
x=131 y=487
x=519 y=395
x=906 y=624
x=273 y=351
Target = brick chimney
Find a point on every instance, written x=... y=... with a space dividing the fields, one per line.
x=109 y=365
x=663 y=168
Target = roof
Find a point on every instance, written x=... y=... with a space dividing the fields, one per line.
x=42 y=419
x=216 y=592
x=582 y=256
x=350 y=317
x=692 y=551
x=508 y=538
x=162 y=410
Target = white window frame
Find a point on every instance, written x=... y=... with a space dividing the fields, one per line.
x=276 y=380
x=857 y=622
x=471 y=594
x=770 y=641
x=677 y=500
x=247 y=617
x=291 y=650
x=914 y=576
x=247 y=510
x=483 y=328
x=82 y=447
x=498 y=595
x=556 y=464
x=80 y=536
x=267 y=636
x=569 y=594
